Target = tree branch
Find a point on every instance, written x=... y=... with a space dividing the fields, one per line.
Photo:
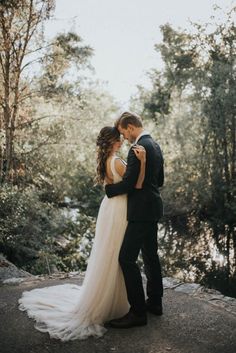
x=34 y=120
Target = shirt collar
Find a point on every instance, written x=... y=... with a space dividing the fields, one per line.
x=143 y=133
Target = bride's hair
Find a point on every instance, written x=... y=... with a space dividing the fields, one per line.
x=105 y=141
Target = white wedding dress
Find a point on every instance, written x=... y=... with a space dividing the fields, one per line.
x=69 y=311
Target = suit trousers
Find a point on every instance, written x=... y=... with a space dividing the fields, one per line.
x=141 y=236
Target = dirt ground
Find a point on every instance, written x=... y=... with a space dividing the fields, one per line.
x=189 y=325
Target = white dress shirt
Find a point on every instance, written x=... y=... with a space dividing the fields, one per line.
x=143 y=133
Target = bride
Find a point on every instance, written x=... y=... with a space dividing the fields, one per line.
x=69 y=311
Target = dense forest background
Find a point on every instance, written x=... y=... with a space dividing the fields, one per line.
x=51 y=113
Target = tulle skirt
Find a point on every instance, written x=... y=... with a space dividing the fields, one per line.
x=70 y=311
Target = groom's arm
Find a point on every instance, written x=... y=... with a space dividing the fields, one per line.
x=129 y=179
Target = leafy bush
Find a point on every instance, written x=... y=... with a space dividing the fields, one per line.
x=38 y=237
x=26 y=224
x=84 y=190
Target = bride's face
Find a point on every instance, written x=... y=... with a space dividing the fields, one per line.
x=117 y=145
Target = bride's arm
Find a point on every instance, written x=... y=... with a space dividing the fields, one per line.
x=108 y=180
x=141 y=155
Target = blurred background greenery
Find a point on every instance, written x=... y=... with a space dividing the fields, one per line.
x=49 y=122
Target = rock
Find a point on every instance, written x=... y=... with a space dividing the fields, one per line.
x=169 y=282
x=212 y=291
x=8 y=270
x=13 y=281
x=4 y=263
x=188 y=288
x=230 y=300
x=216 y=297
x=74 y=274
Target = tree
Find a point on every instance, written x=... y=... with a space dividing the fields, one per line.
x=199 y=83
x=66 y=53
x=19 y=23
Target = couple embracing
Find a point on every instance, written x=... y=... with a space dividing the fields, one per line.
x=112 y=293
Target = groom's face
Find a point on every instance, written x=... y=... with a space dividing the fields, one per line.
x=127 y=133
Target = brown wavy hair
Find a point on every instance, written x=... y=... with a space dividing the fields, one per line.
x=105 y=141
x=129 y=118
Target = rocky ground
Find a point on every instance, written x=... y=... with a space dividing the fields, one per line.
x=195 y=320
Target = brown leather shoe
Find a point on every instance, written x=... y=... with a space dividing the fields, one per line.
x=129 y=320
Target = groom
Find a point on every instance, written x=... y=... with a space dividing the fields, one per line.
x=144 y=211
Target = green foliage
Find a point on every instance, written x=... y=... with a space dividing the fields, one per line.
x=56 y=150
x=26 y=224
x=39 y=237
x=193 y=113
x=84 y=191
x=190 y=253
x=190 y=110
x=66 y=54
x=159 y=101
x=24 y=5
x=78 y=237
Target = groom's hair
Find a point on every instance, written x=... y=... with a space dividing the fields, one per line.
x=128 y=118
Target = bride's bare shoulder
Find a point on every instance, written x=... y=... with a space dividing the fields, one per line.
x=108 y=168
x=120 y=166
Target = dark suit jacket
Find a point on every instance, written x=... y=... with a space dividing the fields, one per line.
x=144 y=205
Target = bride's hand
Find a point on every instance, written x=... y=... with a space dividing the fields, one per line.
x=140 y=152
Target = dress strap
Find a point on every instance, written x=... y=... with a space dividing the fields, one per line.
x=113 y=168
